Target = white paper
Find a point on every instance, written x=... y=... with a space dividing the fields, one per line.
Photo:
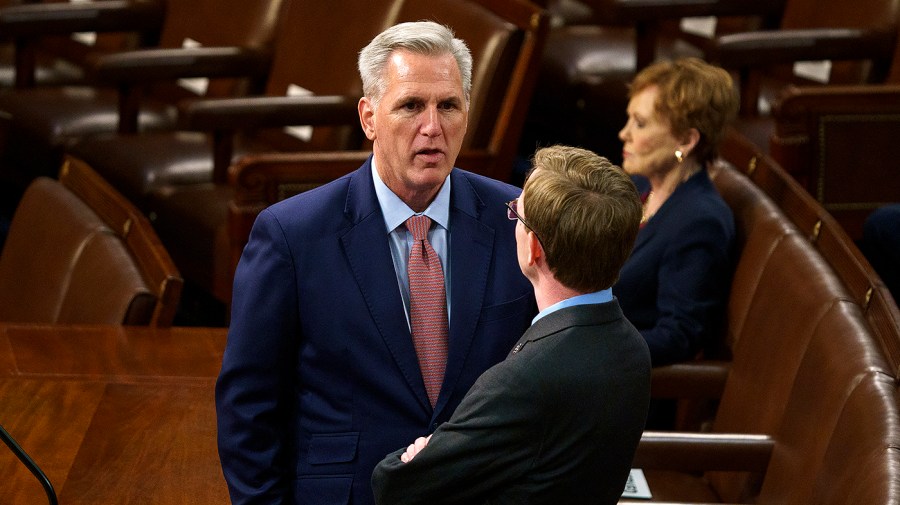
x=303 y=133
x=636 y=485
x=196 y=84
x=819 y=71
x=702 y=26
x=86 y=38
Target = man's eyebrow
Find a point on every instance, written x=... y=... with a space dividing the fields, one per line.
x=406 y=98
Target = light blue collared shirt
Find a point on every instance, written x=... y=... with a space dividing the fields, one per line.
x=589 y=298
x=396 y=212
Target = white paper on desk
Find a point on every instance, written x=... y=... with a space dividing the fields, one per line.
x=86 y=38
x=704 y=26
x=196 y=84
x=303 y=133
x=636 y=485
x=818 y=71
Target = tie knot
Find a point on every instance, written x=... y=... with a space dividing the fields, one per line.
x=418 y=226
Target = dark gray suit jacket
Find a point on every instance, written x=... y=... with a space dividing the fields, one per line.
x=557 y=422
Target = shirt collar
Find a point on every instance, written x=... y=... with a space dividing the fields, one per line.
x=588 y=298
x=396 y=212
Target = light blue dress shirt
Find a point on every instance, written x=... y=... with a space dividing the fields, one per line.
x=585 y=299
x=396 y=212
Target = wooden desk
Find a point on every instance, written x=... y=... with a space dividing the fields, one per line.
x=111 y=414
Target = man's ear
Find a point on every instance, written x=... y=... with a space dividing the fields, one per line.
x=535 y=249
x=367 y=117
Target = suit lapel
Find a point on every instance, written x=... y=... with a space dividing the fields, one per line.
x=369 y=256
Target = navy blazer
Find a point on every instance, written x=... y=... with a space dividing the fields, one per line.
x=674 y=286
x=320 y=377
x=557 y=422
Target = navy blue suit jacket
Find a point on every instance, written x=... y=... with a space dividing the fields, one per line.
x=674 y=286
x=320 y=378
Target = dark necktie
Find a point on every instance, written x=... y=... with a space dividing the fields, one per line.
x=427 y=306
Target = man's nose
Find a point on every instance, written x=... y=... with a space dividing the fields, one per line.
x=431 y=122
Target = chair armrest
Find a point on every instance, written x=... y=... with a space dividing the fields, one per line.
x=704 y=451
x=694 y=379
x=795 y=101
x=62 y=18
x=630 y=11
x=135 y=67
x=234 y=114
x=785 y=46
x=224 y=117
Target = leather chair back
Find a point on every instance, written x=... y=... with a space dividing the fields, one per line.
x=801 y=401
x=841 y=358
x=78 y=252
x=315 y=52
x=760 y=226
x=863 y=455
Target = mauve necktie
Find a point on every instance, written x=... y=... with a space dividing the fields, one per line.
x=427 y=306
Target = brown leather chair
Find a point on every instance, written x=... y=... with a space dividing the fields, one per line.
x=78 y=252
x=505 y=37
x=143 y=85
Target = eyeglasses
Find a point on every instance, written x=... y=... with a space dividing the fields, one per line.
x=512 y=212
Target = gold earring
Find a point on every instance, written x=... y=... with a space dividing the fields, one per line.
x=679 y=155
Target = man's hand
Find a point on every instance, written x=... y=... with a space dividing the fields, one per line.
x=414 y=449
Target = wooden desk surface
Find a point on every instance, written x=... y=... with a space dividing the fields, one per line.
x=111 y=414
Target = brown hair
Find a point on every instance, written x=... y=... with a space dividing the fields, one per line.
x=586 y=212
x=692 y=94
